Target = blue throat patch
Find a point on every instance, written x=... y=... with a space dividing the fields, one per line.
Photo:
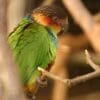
x=53 y=38
x=28 y=17
x=51 y=34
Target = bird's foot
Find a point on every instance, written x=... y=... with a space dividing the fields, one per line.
x=31 y=96
x=42 y=82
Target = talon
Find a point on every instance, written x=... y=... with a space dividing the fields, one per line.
x=42 y=82
x=31 y=96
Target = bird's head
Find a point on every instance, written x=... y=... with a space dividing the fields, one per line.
x=50 y=16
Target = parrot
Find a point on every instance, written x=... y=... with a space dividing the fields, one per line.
x=34 y=43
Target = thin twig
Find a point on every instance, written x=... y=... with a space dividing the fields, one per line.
x=77 y=80
x=83 y=78
x=50 y=75
x=90 y=62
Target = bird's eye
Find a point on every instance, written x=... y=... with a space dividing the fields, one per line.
x=55 y=18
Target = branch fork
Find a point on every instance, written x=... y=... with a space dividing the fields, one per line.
x=76 y=80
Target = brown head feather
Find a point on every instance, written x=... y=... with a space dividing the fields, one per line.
x=51 y=11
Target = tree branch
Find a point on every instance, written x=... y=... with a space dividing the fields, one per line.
x=10 y=88
x=47 y=2
x=77 y=80
x=50 y=75
x=90 y=62
x=85 y=20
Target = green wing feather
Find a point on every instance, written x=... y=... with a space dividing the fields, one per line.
x=32 y=47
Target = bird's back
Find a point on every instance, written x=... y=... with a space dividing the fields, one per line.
x=32 y=46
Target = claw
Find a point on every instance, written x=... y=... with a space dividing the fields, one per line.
x=31 y=96
x=42 y=82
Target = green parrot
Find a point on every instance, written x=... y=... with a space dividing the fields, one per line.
x=34 y=42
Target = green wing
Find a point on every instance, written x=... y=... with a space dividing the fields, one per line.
x=32 y=47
